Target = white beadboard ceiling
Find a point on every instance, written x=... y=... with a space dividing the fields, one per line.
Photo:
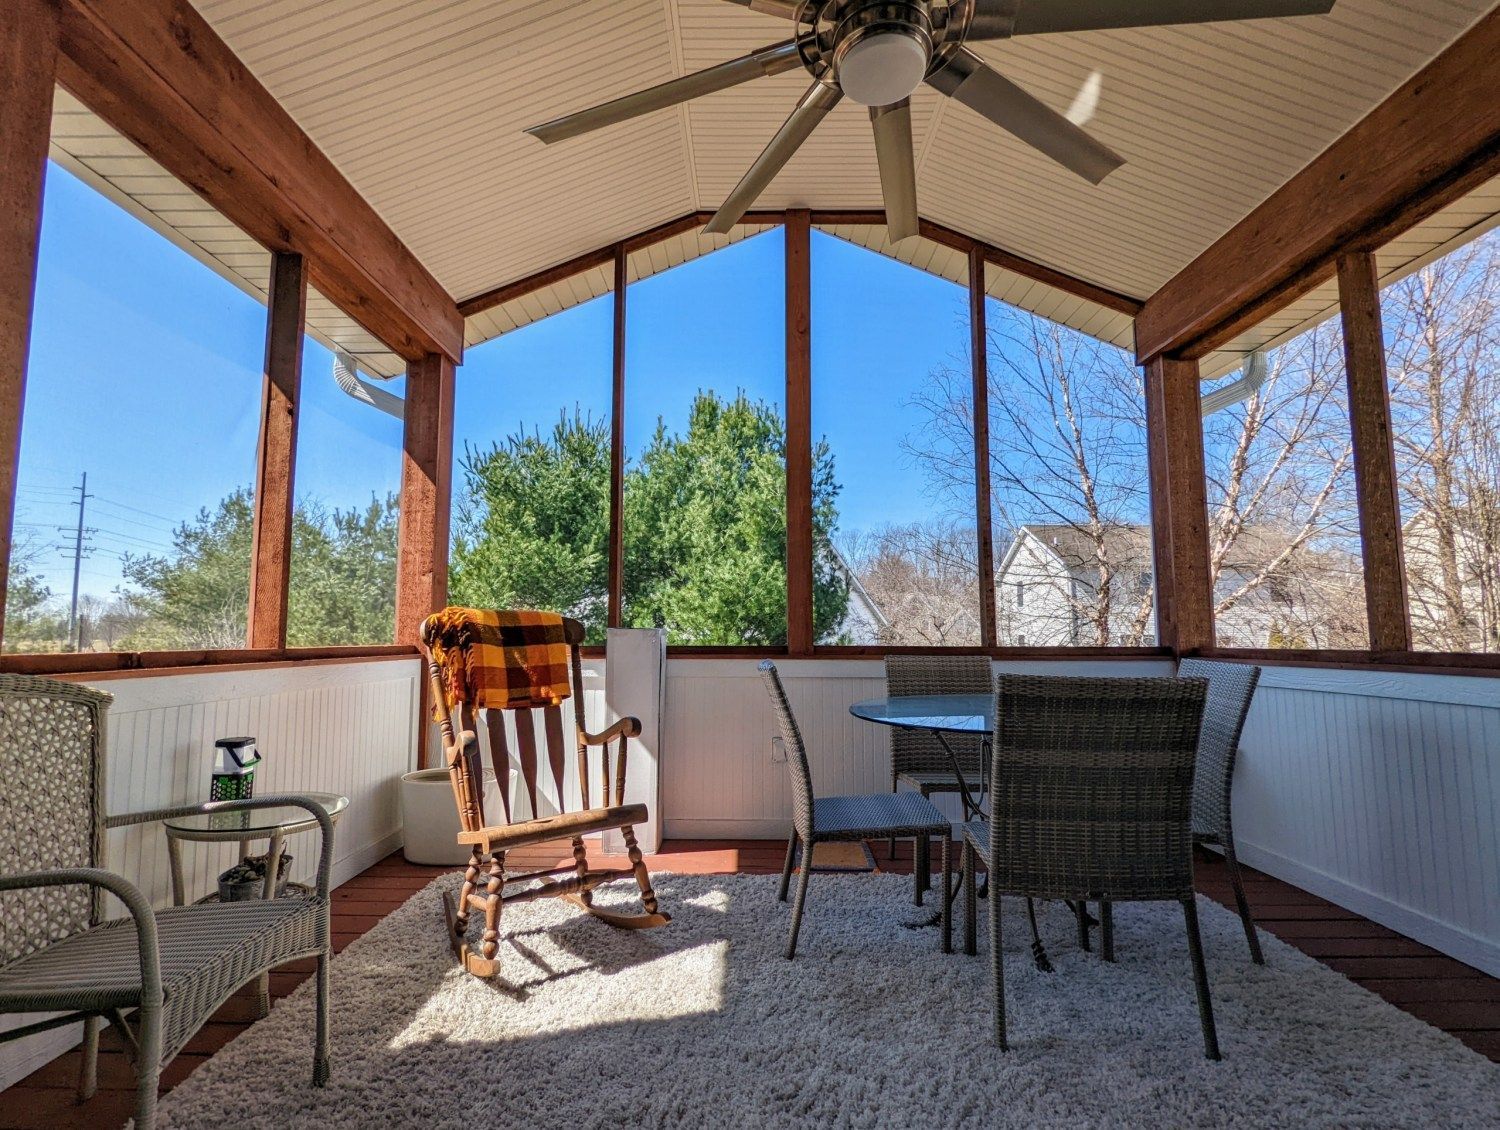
x=421 y=105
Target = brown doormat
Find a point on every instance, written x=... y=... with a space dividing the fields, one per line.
x=841 y=857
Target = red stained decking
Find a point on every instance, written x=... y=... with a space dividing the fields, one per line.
x=1444 y=992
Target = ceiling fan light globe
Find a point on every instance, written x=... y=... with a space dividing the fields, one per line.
x=883 y=68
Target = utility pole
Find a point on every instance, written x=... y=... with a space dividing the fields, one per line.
x=83 y=497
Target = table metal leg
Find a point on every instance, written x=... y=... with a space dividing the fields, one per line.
x=922 y=865
x=967 y=868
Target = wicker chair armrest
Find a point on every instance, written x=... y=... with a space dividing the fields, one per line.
x=626 y=727
x=124 y=890
x=319 y=813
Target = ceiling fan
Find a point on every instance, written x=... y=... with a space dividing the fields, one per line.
x=878 y=52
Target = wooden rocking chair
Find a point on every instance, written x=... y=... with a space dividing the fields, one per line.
x=490 y=842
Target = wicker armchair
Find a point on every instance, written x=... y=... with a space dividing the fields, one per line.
x=174 y=966
x=1090 y=799
x=918 y=759
x=1231 y=686
x=845 y=818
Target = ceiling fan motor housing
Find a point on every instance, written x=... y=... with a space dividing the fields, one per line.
x=882 y=50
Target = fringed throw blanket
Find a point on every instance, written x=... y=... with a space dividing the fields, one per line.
x=500 y=659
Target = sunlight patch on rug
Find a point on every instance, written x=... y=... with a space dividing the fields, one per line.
x=704 y=1023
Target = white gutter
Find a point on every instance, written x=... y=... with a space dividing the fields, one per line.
x=1252 y=377
x=346 y=376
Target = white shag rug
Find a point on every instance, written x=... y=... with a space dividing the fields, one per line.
x=705 y=1024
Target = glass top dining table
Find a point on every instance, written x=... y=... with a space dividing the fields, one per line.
x=935 y=713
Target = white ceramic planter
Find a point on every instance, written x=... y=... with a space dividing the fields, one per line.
x=429 y=819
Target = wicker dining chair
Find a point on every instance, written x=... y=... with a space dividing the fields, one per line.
x=1091 y=794
x=1231 y=686
x=173 y=966
x=818 y=819
x=918 y=759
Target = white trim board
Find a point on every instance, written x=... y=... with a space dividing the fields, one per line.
x=1461 y=945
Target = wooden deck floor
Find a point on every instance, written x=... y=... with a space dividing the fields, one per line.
x=1444 y=992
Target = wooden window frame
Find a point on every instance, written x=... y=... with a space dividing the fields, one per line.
x=162 y=92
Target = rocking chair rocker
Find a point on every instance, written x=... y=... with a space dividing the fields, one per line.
x=490 y=843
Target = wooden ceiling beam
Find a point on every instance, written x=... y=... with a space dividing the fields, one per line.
x=1435 y=139
x=827 y=217
x=597 y=258
x=156 y=71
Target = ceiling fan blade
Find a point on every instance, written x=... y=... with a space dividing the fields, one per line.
x=772 y=60
x=968 y=80
x=786 y=9
x=993 y=19
x=812 y=109
x=1038 y=17
x=898 y=168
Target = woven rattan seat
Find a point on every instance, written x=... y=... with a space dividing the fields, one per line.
x=859 y=817
x=207 y=952
x=816 y=819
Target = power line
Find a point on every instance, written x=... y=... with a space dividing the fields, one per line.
x=158 y=527
x=136 y=539
x=173 y=522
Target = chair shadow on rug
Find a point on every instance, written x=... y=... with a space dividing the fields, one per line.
x=595 y=951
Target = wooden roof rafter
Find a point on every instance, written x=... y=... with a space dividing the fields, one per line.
x=187 y=100
x=937 y=233
x=1436 y=138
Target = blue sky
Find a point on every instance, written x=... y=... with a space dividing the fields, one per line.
x=145 y=372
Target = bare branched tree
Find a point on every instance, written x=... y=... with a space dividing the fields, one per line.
x=1443 y=334
x=1068 y=462
x=1283 y=526
x=924 y=578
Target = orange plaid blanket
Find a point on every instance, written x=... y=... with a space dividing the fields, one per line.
x=500 y=659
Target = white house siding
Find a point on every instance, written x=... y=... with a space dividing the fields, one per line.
x=1050 y=609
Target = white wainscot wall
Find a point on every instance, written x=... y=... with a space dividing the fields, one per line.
x=1380 y=792
x=343 y=727
x=723 y=771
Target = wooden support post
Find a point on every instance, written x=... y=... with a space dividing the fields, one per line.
x=979 y=364
x=616 y=579
x=28 y=67
x=271 y=555
x=1179 y=508
x=799 y=550
x=1374 y=454
x=426 y=495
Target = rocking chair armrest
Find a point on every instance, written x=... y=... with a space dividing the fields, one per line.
x=319 y=813
x=124 y=890
x=626 y=727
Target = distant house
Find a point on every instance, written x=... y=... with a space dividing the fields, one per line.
x=1049 y=579
x=1460 y=612
x=1047 y=587
x=864 y=622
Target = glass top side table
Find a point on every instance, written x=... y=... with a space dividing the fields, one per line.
x=245 y=827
